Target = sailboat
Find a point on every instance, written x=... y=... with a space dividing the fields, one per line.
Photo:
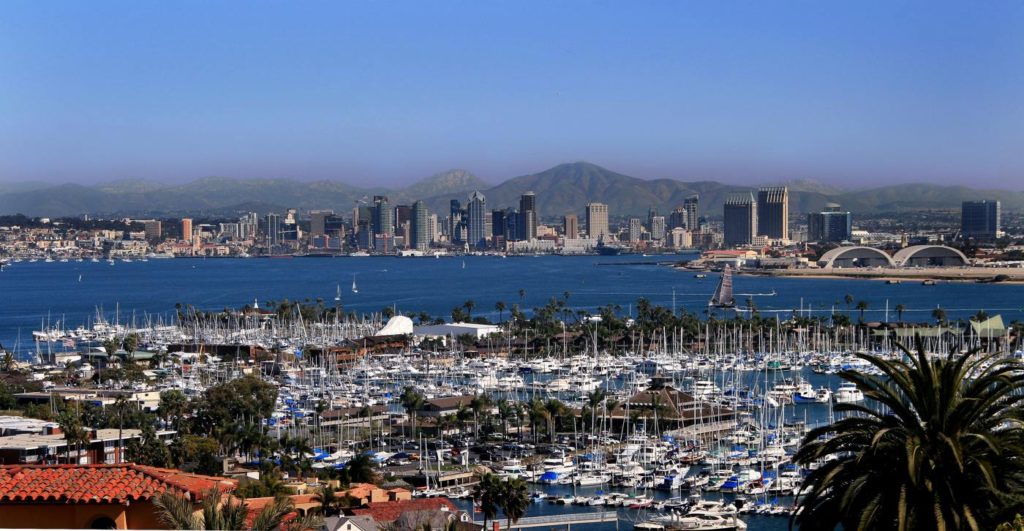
x=337 y=297
x=723 y=297
x=354 y=288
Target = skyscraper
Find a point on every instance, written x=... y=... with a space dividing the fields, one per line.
x=597 y=220
x=980 y=219
x=691 y=206
x=677 y=219
x=317 y=222
x=636 y=229
x=528 y=216
x=273 y=229
x=740 y=219
x=829 y=225
x=476 y=224
x=186 y=229
x=420 y=229
x=571 y=226
x=658 y=228
x=773 y=212
x=454 y=220
x=383 y=216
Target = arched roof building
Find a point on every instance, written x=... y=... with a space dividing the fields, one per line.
x=929 y=256
x=855 y=256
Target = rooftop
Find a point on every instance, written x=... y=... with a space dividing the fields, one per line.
x=100 y=483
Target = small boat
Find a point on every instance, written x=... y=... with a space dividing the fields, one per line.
x=700 y=275
x=848 y=392
x=355 y=289
x=893 y=281
x=723 y=297
x=928 y=282
x=337 y=297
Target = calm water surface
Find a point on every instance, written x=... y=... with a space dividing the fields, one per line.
x=73 y=292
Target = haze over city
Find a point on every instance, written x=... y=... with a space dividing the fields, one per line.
x=387 y=93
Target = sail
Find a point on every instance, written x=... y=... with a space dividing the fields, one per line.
x=723 y=297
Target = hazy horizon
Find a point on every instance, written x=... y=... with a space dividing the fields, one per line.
x=386 y=94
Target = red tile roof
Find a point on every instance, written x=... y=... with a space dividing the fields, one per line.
x=390 y=511
x=100 y=483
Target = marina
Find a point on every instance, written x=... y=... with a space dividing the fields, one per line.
x=668 y=423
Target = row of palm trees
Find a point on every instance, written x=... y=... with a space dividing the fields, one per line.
x=510 y=496
x=220 y=511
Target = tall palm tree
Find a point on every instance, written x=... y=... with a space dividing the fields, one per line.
x=500 y=307
x=514 y=500
x=938 y=446
x=861 y=307
x=330 y=503
x=412 y=401
x=900 y=308
x=487 y=496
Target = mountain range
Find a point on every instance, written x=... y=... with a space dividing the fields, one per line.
x=562 y=189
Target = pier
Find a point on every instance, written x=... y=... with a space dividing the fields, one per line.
x=558 y=520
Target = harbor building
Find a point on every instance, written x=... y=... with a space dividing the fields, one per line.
x=980 y=219
x=740 y=219
x=773 y=212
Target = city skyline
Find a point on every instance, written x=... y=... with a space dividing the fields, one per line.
x=745 y=94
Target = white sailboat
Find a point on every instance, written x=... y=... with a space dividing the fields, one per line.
x=337 y=297
x=355 y=289
x=723 y=297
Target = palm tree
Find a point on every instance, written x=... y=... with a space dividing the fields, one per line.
x=514 y=500
x=8 y=362
x=360 y=469
x=941 y=447
x=939 y=315
x=412 y=402
x=862 y=306
x=500 y=308
x=900 y=308
x=469 y=305
x=328 y=500
x=487 y=496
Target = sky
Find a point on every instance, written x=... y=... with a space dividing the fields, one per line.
x=851 y=94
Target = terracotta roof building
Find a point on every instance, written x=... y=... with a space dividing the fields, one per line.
x=83 y=496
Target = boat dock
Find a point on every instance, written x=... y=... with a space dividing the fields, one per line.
x=558 y=520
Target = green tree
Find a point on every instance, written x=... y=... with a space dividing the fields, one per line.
x=500 y=308
x=862 y=306
x=515 y=500
x=74 y=432
x=412 y=401
x=900 y=308
x=938 y=446
x=148 y=449
x=173 y=407
x=487 y=496
x=939 y=315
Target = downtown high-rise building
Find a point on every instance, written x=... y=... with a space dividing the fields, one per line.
x=677 y=219
x=636 y=230
x=773 y=212
x=476 y=222
x=273 y=229
x=980 y=219
x=383 y=217
x=740 y=212
x=830 y=225
x=692 y=207
x=528 y=216
x=658 y=228
x=318 y=222
x=570 y=226
x=597 y=221
x=186 y=229
x=419 y=229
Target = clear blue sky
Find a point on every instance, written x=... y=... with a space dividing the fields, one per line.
x=845 y=92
